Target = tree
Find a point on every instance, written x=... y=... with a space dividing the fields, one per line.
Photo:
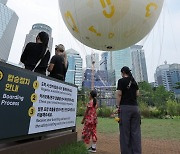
x=172 y=108
x=83 y=95
x=177 y=85
x=146 y=93
x=161 y=96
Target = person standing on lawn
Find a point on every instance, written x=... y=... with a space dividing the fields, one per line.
x=129 y=114
x=90 y=122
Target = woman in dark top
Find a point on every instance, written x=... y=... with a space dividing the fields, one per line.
x=58 y=65
x=130 y=132
x=33 y=52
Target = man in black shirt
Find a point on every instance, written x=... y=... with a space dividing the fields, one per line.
x=130 y=132
x=58 y=64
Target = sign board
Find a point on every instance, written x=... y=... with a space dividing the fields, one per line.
x=31 y=104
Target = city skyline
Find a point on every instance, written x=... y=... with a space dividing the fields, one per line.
x=160 y=45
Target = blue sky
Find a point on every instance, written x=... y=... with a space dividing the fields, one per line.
x=163 y=43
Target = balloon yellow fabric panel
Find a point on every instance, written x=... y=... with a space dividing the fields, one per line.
x=110 y=24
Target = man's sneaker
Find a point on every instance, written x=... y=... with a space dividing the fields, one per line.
x=92 y=150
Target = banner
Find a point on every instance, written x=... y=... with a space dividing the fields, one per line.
x=32 y=104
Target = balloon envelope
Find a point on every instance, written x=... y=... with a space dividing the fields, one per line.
x=110 y=24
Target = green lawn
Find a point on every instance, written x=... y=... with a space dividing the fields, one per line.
x=76 y=148
x=161 y=128
x=151 y=128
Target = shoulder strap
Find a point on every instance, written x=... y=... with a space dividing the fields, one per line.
x=129 y=85
x=40 y=60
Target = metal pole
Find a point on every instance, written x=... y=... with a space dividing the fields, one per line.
x=92 y=75
x=111 y=67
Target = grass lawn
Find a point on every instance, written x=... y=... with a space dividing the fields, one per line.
x=168 y=129
x=76 y=148
x=161 y=128
x=151 y=128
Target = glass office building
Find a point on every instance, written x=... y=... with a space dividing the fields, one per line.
x=117 y=60
x=139 y=68
x=8 y=23
x=74 y=73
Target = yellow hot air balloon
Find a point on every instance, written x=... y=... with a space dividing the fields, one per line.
x=110 y=24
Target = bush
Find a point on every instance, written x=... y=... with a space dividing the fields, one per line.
x=163 y=111
x=178 y=109
x=104 y=111
x=145 y=112
x=167 y=117
x=173 y=108
x=80 y=111
x=176 y=117
x=81 y=108
x=154 y=112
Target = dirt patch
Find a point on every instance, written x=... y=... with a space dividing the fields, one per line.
x=109 y=144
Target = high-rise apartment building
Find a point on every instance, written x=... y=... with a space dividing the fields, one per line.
x=3 y=2
x=139 y=69
x=36 y=28
x=103 y=61
x=8 y=23
x=95 y=58
x=168 y=75
x=74 y=73
x=88 y=62
x=118 y=59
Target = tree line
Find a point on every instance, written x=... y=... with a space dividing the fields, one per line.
x=158 y=102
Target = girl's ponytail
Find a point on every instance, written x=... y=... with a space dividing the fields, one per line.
x=94 y=101
x=93 y=94
x=131 y=78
